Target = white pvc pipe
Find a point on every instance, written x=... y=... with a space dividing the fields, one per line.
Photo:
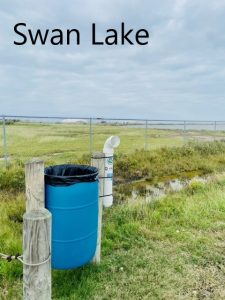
x=111 y=143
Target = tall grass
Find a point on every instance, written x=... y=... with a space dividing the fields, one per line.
x=168 y=162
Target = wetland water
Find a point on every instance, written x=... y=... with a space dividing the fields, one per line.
x=152 y=192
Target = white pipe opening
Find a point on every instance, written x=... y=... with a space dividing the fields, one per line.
x=111 y=143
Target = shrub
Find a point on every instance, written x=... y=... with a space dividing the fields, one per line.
x=12 y=178
x=195 y=186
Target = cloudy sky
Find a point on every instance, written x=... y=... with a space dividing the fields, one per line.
x=179 y=75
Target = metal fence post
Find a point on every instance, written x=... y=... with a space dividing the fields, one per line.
x=184 y=131
x=90 y=136
x=5 y=141
x=215 y=129
x=146 y=134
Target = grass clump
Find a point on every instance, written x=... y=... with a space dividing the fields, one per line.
x=195 y=187
x=12 y=178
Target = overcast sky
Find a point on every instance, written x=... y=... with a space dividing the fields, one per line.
x=179 y=75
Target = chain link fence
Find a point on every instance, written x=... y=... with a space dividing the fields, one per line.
x=57 y=139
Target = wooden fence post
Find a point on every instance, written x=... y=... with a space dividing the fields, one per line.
x=36 y=237
x=35 y=186
x=98 y=161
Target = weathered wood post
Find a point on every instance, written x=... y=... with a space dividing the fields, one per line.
x=98 y=161
x=36 y=236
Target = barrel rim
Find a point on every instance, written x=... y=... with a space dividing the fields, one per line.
x=95 y=173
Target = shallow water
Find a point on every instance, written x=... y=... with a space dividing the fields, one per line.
x=157 y=191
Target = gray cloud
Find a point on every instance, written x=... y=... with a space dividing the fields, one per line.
x=179 y=75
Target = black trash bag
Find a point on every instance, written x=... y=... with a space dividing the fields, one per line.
x=63 y=175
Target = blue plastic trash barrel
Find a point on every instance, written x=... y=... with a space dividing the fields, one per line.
x=71 y=195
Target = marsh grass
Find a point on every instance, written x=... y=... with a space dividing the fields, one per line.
x=172 y=162
x=157 y=165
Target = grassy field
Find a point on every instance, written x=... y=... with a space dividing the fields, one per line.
x=169 y=249
x=66 y=142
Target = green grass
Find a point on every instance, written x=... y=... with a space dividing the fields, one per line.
x=170 y=249
x=63 y=142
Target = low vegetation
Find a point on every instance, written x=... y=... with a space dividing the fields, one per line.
x=167 y=249
x=172 y=162
x=157 y=165
x=63 y=142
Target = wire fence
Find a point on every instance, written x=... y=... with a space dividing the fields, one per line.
x=64 y=139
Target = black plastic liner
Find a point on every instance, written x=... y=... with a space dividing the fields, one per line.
x=63 y=175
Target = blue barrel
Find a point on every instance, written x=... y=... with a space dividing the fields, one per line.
x=71 y=195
